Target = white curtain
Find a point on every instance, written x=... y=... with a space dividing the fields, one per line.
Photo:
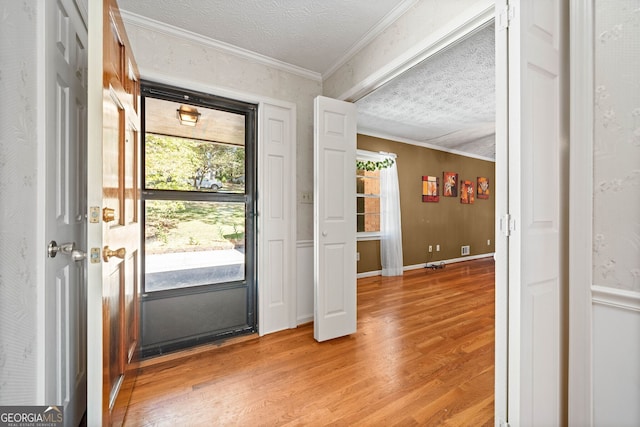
x=390 y=224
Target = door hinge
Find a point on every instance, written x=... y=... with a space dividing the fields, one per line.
x=506 y=16
x=504 y=424
x=507 y=224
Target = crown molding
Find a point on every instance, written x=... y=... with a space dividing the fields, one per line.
x=374 y=32
x=474 y=19
x=394 y=138
x=140 y=21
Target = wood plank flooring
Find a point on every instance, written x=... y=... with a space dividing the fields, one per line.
x=423 y=355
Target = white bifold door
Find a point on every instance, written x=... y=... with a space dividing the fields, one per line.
x=335 y=218
x=534 y=145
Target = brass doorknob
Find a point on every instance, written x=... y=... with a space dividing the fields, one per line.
x=108 y=214
x=108 y=253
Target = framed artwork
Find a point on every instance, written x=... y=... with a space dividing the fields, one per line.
x=430 y=189
x=483 y=187
x=466 y=192
x=450 y=183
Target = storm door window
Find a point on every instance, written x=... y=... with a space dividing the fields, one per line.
x=194 y=191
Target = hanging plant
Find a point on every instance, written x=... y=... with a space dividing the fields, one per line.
x=370 y=165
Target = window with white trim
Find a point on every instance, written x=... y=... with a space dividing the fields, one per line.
x=368 y=194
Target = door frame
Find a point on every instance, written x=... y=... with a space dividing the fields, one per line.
x=169 y=93
x=271 y=318
x=580 y=372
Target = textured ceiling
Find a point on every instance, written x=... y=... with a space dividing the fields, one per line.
x=311 y=34
x=448 y=100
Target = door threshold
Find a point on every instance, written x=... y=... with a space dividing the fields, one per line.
x=192 y=351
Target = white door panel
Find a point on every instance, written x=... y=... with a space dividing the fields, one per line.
x=537 y=155
x=335 y=218
x=277 y=219
x=65 y=171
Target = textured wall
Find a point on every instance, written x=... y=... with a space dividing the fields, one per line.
x=447 y=223
x=416 y=25
x=616 y=231
x=18 y=202
x=186 y=60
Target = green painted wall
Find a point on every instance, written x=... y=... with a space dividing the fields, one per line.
x=447 y=223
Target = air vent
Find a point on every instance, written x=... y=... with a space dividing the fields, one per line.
x=465 y=250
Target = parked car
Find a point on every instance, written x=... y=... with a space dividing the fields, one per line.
x=210 y=183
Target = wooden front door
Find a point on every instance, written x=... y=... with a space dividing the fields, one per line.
x=114 y=228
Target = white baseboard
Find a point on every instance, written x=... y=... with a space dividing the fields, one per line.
x=424 y=264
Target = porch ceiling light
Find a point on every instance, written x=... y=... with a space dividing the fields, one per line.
x=188 y=116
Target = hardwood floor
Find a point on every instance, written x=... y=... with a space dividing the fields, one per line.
x=423 y=355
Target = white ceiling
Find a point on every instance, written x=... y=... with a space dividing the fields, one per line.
x=448 y=100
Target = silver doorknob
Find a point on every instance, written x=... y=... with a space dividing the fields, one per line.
x=68 y=249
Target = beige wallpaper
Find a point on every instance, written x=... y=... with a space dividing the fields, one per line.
x=187 y=60
x=616 y=232
x=18 y=202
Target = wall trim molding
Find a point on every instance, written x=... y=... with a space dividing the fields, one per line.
x=473 y=19
x=374 y=32
x=618 y=298
x=130 y=18
x=424 y=264
x=304 y=244
x=422 y=144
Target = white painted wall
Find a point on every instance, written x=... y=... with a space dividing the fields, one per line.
x=304 y=274
x=18 y=202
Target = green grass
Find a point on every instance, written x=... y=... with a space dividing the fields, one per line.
x=192 y=226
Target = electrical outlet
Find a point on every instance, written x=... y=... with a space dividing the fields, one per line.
x=465 y=250
x=437 y=248
x=357 y=256
x=430 y=248
x=488 y=242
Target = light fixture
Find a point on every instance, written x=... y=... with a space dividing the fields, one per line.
x=187 y=115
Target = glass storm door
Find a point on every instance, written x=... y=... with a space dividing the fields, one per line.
x=199 y=197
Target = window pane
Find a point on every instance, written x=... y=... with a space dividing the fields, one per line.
x=368 y=222
x=368 y=203
x=193 y=243
x=173 y=163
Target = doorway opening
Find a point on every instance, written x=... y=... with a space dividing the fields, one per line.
x=199 y=203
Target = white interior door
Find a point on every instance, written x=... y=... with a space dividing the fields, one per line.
x=277 y=218
x=65 y=140
x=537 y=176
x=335 y=218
